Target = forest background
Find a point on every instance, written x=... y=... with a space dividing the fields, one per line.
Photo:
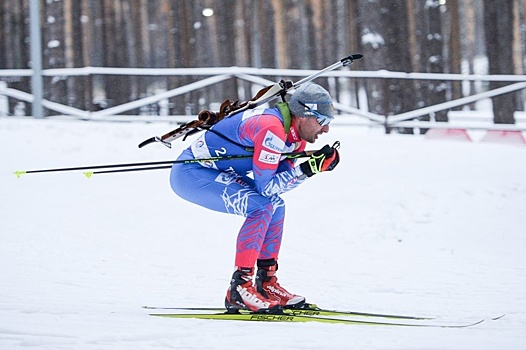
x=433 y=36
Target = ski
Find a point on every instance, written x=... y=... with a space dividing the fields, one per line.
x=289 y=317
x=309 y=310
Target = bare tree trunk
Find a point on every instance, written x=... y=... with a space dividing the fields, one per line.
x=498 y=24
x=328 y=43
x=517 y=50
x=280 y=34
x=469 y=43
x=241 y=47
x=145 y=47
x=74 y=53
x=255 y=35
x=169 y=19
x=517 y=44
x=317 y=29
x=345 y=35
x=131 y=44
x=354 y=43
x=225 y=31
x=374 y=49
x=86 y=40
x=3 y=37
x=13 y=33
x=430 y=57
x=267 y=35
x=455 y=47
x=414 y=33
x=296 y=36
x=54 y=51
x=68 y=33
x=116 y=55
x=523 y=45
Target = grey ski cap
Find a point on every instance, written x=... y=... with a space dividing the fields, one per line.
x=315 y=97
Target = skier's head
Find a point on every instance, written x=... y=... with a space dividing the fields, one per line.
x=311 y=108
x=310 y=100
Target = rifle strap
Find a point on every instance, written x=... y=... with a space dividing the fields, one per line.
x=285 y=112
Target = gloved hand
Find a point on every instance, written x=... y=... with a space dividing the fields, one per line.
x=324 y=159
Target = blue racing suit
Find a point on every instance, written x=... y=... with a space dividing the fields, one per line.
x=250 y=187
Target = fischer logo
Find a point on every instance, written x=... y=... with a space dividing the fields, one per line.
x=305 y=312
x=272 y=317
x=249 y=298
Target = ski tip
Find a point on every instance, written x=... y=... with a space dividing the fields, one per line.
x=473 y=324
x=19 y=173
x=88 y=174
x=498 y=317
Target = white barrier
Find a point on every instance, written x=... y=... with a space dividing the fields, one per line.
x=349 y=115
x=4 y=103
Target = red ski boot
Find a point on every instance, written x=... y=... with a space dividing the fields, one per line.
x=267 y=284
x=243 y=295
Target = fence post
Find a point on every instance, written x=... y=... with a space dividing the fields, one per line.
x=4 y=103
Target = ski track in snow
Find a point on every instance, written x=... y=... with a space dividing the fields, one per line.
x=403 y=225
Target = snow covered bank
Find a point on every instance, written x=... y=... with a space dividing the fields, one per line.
x=402 y=225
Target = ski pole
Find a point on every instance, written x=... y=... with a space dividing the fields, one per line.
x=19 y=173
x=292 y=155
x=88 y=174
x=153 y=165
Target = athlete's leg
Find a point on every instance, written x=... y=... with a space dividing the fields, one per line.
x=228 y=193
x=272 y=240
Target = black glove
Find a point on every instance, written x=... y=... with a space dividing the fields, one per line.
x=324 y=159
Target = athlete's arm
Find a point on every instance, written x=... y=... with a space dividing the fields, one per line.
x=269 y=142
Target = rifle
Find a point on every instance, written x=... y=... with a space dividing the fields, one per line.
x=207 y=118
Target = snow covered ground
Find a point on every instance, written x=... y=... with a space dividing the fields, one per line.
x=402 y=225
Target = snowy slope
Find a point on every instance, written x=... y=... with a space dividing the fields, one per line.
x=403 y=225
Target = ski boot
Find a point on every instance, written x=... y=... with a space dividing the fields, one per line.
x=242 y=295
x=267 y=284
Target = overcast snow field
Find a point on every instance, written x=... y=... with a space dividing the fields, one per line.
x=403 y=225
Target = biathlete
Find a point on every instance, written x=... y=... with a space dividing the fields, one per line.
x=252 y=187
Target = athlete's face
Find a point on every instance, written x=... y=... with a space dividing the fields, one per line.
x=309 y=129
